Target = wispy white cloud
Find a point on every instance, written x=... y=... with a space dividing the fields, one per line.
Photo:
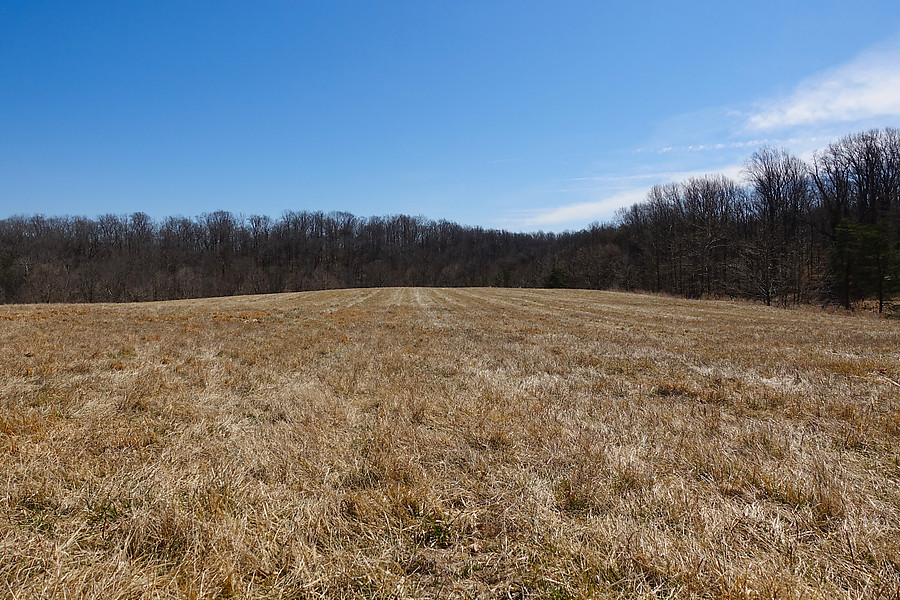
x=581 y=212
x=706 y=147
x=864 y=88
x=731 y=170
x=863 y=92
x=578 y=214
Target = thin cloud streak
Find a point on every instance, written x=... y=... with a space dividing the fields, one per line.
x=706 y=147
x=866 y=87
x=729 y=170
x=581 y=211
x=578 y=213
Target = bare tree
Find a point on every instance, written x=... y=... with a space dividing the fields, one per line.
x=779 y=201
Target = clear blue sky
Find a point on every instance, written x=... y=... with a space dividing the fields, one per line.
x=524 y=115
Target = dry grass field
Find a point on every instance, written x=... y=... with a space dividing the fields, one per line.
x=469 y=443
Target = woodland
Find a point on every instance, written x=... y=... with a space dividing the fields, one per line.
x=789 y=231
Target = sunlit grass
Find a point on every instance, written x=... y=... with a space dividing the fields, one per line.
x=448 y=443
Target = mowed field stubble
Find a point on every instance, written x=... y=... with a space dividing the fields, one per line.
x=396 y=443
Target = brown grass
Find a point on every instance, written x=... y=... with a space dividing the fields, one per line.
x=448 y=443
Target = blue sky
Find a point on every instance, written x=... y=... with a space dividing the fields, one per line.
x=523 y=115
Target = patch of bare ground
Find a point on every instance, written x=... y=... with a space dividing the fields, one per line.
x=476 y=443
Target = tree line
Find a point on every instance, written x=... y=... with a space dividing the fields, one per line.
x=117 y=258
x=787 y=232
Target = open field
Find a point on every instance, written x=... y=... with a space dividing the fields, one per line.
x=448 y=443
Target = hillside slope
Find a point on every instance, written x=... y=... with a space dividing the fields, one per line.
x=448 y=443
